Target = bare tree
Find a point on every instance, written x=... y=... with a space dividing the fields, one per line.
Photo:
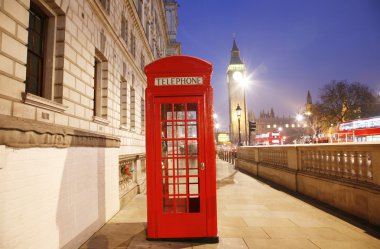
x=340 y=101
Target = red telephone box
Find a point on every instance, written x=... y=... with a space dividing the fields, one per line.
x=180 y=150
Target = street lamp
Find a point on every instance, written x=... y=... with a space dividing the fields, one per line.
x=217 y=125
x=239 y=77
x=238 y=114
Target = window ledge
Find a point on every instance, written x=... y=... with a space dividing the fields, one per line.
x=100 y=120
x=34 y=100
x=124 y=128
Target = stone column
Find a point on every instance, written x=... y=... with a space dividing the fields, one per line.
x=376 y=167
x=293 y=158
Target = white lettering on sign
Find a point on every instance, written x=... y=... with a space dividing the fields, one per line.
x=176 y=81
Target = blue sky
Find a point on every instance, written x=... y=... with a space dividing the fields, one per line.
x=288 y=46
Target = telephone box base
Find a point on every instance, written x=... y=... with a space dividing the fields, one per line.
x=208 y=240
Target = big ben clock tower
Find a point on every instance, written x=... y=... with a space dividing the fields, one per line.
x=236 y=97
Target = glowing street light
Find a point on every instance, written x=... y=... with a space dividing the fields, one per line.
x=299 y=117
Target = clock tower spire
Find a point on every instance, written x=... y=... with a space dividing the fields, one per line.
x=236 y=96
x=235 y=54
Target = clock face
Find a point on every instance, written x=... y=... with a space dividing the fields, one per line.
x=237 y=75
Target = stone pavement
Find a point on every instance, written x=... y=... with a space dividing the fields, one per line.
x=251 y=214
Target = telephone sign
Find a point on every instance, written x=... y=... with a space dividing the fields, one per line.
x=180 y=150
x=175 y=81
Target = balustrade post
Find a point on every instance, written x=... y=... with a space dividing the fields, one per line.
x=293 y=158
x=376 y=167
x=256 y=155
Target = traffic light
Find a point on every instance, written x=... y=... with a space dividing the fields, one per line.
x=252 y=126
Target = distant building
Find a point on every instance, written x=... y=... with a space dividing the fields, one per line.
x=72 y=112
x=289 y=127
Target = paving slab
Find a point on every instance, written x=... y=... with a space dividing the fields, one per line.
x=251 y=214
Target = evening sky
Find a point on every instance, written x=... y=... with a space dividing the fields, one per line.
x=288 y=47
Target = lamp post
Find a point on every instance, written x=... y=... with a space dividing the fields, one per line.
x=216 y=126
x=238 y=114
x=216 y=132
x=239 y=77
x=245 y=113
x=300 y=118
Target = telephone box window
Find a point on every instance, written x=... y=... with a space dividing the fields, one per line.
x=179 y=150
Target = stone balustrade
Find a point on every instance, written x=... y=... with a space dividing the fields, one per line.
x=338 y=162
x=345 y=176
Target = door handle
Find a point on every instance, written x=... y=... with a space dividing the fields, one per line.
x=202 y=166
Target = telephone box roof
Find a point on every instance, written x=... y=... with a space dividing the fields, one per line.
x=179 y=64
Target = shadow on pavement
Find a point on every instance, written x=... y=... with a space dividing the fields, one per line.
x=128 y=235
x=226 y=180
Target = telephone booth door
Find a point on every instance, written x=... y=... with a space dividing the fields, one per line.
x=181 y=182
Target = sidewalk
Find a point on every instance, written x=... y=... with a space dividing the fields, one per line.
x=251 y=214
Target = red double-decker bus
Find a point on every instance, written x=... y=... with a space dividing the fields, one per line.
x=269 y=138
x=359 y=130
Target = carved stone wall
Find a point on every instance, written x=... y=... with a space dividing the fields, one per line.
x=87 y=117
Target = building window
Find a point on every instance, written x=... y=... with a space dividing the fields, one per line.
x=142 y=113
x=274 y=126
x=35 y=60
x=106 y=5
x=123 y=102
x=133 y=104
x=287 y=125
x=133 y=45
x=40 y=66
x=100 y=75
x=147 y=33
x=140 y=8
x=268 y=126
x=142 y=61
x=124 y=29
x=293 y=125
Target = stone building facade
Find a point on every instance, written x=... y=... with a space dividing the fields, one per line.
x=72 y=112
